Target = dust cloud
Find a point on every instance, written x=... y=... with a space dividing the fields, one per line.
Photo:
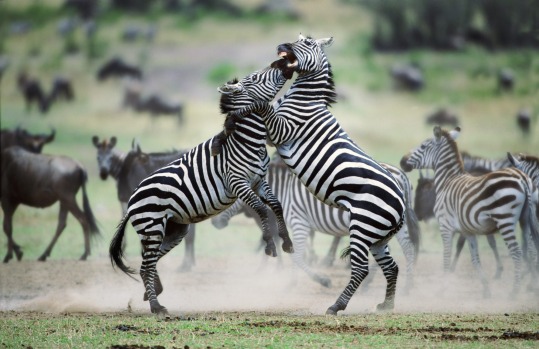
x=250 y=282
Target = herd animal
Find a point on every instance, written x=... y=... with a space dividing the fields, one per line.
x=323 y=181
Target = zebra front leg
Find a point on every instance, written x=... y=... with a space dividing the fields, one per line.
x=359 y=261
x=270 y=199
x=391 y=272
x=516 y=255
x=472 y=242
x=409 y=251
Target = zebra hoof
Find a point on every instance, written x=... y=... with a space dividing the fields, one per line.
x=288 y=247
x=332 y=310
x=160 y=311
x=385 y=307
x=271 y=250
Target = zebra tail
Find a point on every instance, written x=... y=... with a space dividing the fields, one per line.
x=414 y=231
x=94 y=229
x=346 y=253
x=116 y=252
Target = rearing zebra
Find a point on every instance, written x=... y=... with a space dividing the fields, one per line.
x=476 y=205
x=304 y=214
x=336 y=170
x=199 y=185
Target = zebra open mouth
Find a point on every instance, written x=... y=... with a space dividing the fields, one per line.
x=289 y=57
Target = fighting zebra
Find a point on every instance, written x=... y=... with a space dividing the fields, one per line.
x=305 y=214
x=331 y=165
x=199 y=185
x=476 y=205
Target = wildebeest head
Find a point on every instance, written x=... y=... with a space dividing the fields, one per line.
x=22 y=138
x=105 y=155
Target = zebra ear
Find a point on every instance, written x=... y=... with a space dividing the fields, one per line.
x=301 y=37
x=324 y=42
x=437 y=132
x=454 y=134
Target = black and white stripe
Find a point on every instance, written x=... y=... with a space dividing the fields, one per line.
x=334 y=168
x=304 y=214
x=199 y=185
x=476 y=205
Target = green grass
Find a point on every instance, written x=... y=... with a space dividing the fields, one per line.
x=269 y=330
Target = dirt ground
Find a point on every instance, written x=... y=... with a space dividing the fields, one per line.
x=249 y=282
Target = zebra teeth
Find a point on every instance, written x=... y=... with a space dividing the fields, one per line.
x=292 y=65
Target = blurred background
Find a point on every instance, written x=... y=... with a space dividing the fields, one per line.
x=149 y=71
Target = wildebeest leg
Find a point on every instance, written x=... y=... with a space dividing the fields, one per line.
x=8 y=230
x=189 y=258
x=72 y=206
x=391 y=271
x=267 y=196
x=499 y=266
x=62 y=217
x=460 y=244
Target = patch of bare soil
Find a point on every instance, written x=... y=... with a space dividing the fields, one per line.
x=251 y=282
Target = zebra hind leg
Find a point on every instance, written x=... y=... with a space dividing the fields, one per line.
x=359 y=259
x=391 y=272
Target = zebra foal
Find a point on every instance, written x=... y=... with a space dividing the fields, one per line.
x=199 y=185
x=476 y=205
x=332 y=166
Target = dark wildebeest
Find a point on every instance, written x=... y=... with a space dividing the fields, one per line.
x=116 y=67
x=129 y=169
x=153 y=104
x=22 y=138
x=506 y=79
x=62 y=88
x=524 y=119
x=32 y=92
x=407 y=77
x=442 y=116
x=39 y=180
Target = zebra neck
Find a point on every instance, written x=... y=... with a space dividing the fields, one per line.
x=448 y=166
x=315 y=87
x=117 y=162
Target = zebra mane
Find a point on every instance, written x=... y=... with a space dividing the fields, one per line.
x=453 y=144
x=529 y=158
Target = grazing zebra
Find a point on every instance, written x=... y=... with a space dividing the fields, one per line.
x=305 y=214
x=478 y=165
x=199 y=185
x=334 y=168
x=476 y=205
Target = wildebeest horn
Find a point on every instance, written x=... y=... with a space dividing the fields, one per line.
x=52 y=134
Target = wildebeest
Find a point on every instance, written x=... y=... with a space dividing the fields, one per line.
x=524 y=121
x=442 y=116
x=129 y=169
x=22 y=138
x=39 y=180
x=62 y=88
x=32 y=92
x=407 y=76
x=506 y=79
x=153 y=104
x=116 y=67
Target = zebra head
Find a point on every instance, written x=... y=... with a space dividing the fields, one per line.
x=431 y=150
x=105 y=155
x=260 y=85
x=305 y=55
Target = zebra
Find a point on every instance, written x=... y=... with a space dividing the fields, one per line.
x=331 y=165
x=305 y=214
x=526 y=163
x=199 y=185
x=476 y=205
